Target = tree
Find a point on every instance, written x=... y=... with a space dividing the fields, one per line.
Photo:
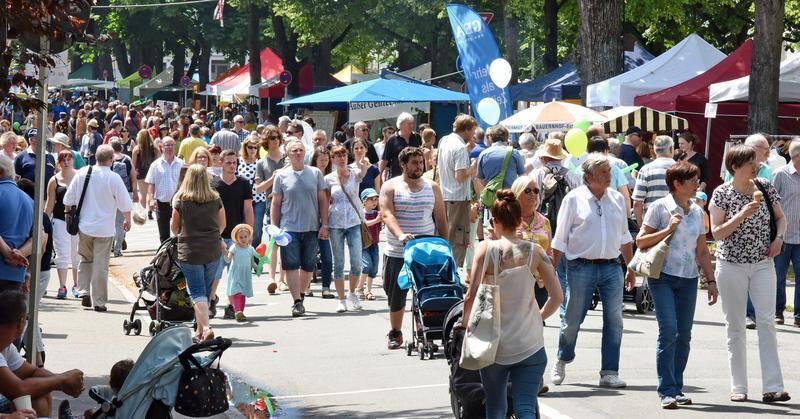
x=765 y=68
x=599 y=41
x=550 y=23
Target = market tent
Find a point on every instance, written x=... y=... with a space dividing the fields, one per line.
x=381 y=90
x=687 y=59
x=84 y=72
x=738 y=90
x=345 y=75
x=161 y=82
x=623 y=117
x=126 y=86
x=550 y=116
x=565 y=82
x=238 y=82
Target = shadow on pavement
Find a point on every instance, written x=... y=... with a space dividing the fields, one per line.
x=740 y=408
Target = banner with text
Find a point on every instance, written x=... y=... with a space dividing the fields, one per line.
x=487 y=74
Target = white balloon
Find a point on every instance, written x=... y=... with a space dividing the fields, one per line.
x=489 y=110
x=500 y=72
x=274 y=230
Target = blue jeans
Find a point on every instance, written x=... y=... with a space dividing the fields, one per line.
x=525 y=375
x=675 y=298
x=199 y=279
x=583 y=278
x=338 y=236
x=301 y=252
x=326 y=263
x=370 y=259
x=561 y=271
x=259 y=209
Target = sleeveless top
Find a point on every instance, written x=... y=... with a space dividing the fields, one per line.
x=58 y=208
x=521 y=330
x=141 y=169
x=414 y=214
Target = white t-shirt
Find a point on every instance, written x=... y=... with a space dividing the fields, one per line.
x=453 y=156
x=10 y=358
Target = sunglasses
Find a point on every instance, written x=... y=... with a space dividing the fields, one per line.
x=275 y=137
x=532 y=191
x=252 y=148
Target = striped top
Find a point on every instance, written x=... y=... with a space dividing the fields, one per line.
x=787 y=182
x=414 y=214
x=651 y=184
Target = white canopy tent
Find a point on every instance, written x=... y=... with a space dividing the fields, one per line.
x=687 y=59
x=738 y=90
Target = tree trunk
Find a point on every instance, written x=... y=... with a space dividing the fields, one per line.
x=550 y=59
x=321 y=63
x=765 y=68
x=121 y=54
x=511 y=35
x=254 y=43
x=286 y=46
x=103 y=62
x=203 y=63
x=599 y=41
x=178 y=62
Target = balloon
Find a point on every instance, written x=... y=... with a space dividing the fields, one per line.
x=500 y=72
x=582 y=124
x=273 y=230
x=576 y=142
x=283 y=240
x=489 y=110
x=630 y=168
x=261 y=249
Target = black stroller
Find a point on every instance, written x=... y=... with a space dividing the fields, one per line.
x=162 y=292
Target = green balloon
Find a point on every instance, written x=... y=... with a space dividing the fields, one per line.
x=582 y=124
x=576 y=142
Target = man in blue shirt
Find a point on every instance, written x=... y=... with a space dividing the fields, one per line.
x=25 y=162
x=15 y=228
x=627 y=151
x=491 y=160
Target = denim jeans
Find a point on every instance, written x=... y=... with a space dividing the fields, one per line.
x=370 y=259
x=338 y=236
x=561 y=271
x=326 y=263
x=790 y=253
x=259 y=209
x=525 y=376
x=222 y=264
x=199 y=279
x=583 y=278
x=675 y=298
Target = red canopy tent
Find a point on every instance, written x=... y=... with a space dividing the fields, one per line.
x=688 y=100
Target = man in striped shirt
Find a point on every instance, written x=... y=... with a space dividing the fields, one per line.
x=225 y=138
x=650 y=185
x=410 y=206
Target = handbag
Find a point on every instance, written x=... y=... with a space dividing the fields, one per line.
x=649 y=262
x=489 y=192
x=483 y=330
x=72 y=218
x=366 y=236
x=201 y=391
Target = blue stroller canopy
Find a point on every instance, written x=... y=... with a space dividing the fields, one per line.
x=433 y=253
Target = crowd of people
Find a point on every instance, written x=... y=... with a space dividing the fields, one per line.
x=515 y=212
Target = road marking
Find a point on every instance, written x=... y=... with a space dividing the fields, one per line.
x=550 y=412
x=373 y=390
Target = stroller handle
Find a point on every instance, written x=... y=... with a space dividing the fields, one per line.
x=216 y=345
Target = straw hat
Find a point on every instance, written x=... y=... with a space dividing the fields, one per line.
x=61 y=138
x=92 y=123
x=240 y=227
x=552 y=148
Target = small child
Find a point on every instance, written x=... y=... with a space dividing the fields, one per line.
x=370 y=257
x=240 y=279
x=119 y=372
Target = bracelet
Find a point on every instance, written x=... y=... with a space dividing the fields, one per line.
x=711 y=282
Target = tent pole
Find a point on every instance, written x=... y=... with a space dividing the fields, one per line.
x=708 y=135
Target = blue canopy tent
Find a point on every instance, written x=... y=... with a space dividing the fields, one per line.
x=381 y=90
x=565 y=82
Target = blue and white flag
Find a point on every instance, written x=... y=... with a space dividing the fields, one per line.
x=486 y=72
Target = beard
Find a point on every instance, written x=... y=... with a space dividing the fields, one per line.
x=415 y=174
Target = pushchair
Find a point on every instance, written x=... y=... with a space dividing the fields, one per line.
x=430 y=271
x=151 y=388
x=467 y=398
x=162 y=292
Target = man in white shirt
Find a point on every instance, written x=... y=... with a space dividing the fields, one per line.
x=162 y=181
x=105 y=195
x=18 y=377
x=592 y=231
x=455 y=173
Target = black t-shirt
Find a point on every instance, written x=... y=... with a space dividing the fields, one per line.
x=394 y=146
x=233 y=197
x=630 y=156
x=701 y=162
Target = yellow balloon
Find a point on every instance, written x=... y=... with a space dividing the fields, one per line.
x=576 y=142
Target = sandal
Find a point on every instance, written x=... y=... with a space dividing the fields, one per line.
x=739 y=397
x=370 y=296
x=360 y=294
x=209 y=335
x=776 y=397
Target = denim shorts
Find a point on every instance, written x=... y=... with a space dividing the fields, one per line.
x=370 y=258
x=301 y=253
x=199 y=279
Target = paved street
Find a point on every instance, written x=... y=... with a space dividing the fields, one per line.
x=337 y=365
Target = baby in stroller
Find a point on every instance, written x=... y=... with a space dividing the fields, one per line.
x=119 y=372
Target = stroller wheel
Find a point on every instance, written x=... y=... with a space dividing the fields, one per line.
x=434 y=349
x=409 y=348
x=126 y=327
x=153 y=328
x=137 y=325
x=421 y=348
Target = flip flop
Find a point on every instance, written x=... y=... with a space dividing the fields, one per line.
x=776 y=397
x=738 y=397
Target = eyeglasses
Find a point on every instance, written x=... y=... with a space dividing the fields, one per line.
x=532 y=191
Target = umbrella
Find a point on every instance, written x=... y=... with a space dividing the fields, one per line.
x=624 y=117
x=551 y=116
x=381 y=90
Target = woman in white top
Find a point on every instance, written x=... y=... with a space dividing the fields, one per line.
x=520 y=355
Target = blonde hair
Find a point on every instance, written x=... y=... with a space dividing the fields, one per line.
x=239 y=228
x=520 y=184
x=252 y=139
x=199 y=150
x=196 y=187
x=464 y=122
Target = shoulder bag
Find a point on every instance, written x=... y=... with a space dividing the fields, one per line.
x=73 y=217
x=483 y=330
x=489 y=193
x=366 y=237
x=649 y=262
x=773 y=225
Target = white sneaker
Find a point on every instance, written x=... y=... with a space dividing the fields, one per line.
x=342 y=306
x=352 y=298
x=612 y=381
x=558 y=373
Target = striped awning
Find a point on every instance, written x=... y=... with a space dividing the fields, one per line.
x=623 y=117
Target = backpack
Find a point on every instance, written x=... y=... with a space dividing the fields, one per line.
x=489 y=192
x=554 y=188
x=121 y=168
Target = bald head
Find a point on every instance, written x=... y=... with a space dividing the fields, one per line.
x=104 y=155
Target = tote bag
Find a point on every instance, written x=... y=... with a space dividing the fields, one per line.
x=649 y=262
x=483 y=329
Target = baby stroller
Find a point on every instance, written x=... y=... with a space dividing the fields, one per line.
x=430 y=271
x=467 y=398
x=151 y=388
x=162 y=292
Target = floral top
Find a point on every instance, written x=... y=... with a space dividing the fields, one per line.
x=750 y=242
x=248 y=171
x=681 y=257
x=341 y=213
x=538 y=232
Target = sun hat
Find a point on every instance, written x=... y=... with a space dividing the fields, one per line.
x=552 y=148
x=60 y=138
x=92 y=123
x=240 y=227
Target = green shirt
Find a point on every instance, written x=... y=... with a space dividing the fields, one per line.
x=77 y=161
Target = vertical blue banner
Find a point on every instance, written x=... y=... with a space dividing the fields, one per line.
x=486 y=72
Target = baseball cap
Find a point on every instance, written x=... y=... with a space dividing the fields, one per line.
x=701 y=196
x=31 y=132
x=368 y=193
x=633 y=130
